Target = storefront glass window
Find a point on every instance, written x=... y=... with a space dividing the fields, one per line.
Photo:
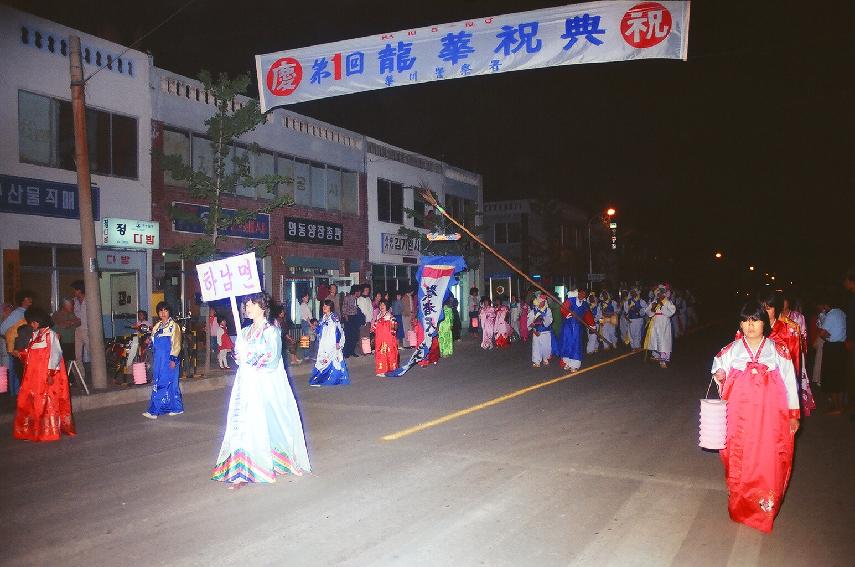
x=285 y=168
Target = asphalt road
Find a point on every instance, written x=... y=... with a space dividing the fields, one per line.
x=599 y=469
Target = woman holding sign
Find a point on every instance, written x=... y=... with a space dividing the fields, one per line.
x=264 y=433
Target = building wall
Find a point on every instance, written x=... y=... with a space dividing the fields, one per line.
x=179 y=103
x=28 y=67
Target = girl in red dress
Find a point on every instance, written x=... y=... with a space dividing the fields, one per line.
x=384 y=328
x=757 y=378
x=44 y=402
x=789 y=333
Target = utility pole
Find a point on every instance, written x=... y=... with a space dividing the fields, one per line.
x=87 y=223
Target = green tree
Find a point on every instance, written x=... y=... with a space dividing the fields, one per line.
x=224 y=128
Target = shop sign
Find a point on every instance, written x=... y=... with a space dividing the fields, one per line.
x=120 y=260
x=191 y=217
x=314 y=232
x=400 y=245
x=129 y=233
x=42 y=198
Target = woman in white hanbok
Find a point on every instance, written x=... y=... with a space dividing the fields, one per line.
x=264 y=434
x=330 y=367
x=659 y=340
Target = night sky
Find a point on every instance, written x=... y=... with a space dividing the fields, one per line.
x=746 y=148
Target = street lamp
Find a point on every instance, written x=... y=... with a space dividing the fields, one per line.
x=751 y=268
x=610 y=212
x=718 y=255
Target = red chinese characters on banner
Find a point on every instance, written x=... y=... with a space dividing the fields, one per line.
x=646 y=24
x=284 y=76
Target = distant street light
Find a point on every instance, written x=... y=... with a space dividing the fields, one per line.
x=751 y=268
x=718 y=255
x=610 y=212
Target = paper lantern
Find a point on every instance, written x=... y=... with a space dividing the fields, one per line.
x=4 y=379
x=304 y=341
x=412 y=339
x=138 y=372
x=474 y=322
x=366 y=345
x=713 y=424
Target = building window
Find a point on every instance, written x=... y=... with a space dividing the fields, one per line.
x=507 y=233
x=350 y=192
x=390 y=202
x=419 y=208
x=176 y=144
x=46 y=136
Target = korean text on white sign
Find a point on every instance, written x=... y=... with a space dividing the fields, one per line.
x=230 y=277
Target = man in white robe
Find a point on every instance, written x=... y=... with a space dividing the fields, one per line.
x=540 y=324
x=659 y=339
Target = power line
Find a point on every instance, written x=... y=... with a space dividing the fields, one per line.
x=137 y=42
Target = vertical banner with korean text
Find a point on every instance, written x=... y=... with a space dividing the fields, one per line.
x=434 y=276
x=229 y=277
x=595 y=32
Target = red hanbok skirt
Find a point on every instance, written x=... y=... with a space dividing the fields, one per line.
x=758 y=459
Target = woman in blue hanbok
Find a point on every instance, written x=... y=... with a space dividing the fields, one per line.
x=166 y=346
x=264 y=433
x=330 y=367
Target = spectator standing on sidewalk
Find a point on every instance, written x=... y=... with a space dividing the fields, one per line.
x=65 y=322
x=352 y=321
x=9 y=330
x=81 y=333
x=366 y=307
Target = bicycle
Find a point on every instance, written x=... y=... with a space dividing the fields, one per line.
x=189 y=351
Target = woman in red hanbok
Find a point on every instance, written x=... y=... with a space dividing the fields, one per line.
x=757 y=378
x=789 y=333
x=44 y=402
x=384 y=328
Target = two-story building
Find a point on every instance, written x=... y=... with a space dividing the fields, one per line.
x=318 y=241
x=394 y=178
x=39 y=199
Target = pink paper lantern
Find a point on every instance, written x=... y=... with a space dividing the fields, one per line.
x=139 y=373
x=713 y=424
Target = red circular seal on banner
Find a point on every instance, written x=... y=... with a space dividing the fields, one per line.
x=284 y=76
x=646 y=24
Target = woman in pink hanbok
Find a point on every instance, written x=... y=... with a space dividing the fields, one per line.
x=487 y=317
x=502 y=327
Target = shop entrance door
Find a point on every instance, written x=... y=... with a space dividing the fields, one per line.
x=119 y=302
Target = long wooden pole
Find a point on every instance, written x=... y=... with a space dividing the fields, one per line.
x=429 y=198
x=92 y=304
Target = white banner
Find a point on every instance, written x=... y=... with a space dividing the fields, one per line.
x=596 y=32
x=236 y=275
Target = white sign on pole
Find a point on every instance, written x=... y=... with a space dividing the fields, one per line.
x=229 y=277
x=595 y=32
x=129 y=233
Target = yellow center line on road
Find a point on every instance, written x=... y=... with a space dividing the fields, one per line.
x=499 y=400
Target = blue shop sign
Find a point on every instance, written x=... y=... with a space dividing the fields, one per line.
x=42 y=198
x=191 y=217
